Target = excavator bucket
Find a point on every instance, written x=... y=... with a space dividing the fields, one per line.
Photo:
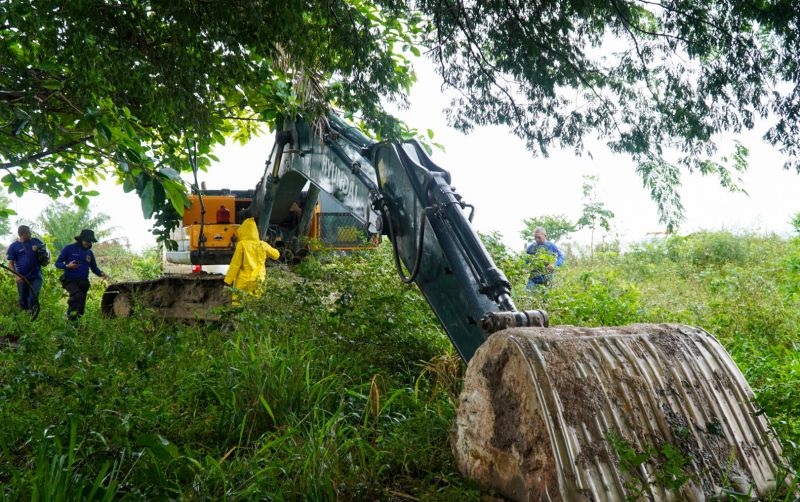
x=642 y=412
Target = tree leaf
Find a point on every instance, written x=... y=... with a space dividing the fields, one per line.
x=148 y=204
x=52 y=84
x=176 y=194
x=19 y=127
x=161 y=448
x=170 y=173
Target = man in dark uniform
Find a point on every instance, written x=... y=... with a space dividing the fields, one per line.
x=76 y=260
x=22 y=259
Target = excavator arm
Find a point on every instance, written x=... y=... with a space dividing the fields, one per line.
x=395 y=189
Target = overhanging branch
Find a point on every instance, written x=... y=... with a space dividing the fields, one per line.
x=41 y=155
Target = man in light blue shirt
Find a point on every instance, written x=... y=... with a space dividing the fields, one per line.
x=545 y=257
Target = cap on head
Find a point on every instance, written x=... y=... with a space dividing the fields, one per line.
x=86 y=235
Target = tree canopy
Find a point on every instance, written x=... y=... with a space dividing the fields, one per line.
x=62 y=222
x=90 y=88
x=96 y=88
x=557 y=226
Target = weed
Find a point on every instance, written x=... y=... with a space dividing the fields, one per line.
x=663 y=466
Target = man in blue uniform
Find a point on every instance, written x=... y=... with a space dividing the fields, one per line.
x=76 y=260
x=21 y=256
x=546 y=257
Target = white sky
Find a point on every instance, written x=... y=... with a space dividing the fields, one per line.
x=493 y=171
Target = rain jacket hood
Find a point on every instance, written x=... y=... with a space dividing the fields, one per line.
x=248 y=230
x=248 y=265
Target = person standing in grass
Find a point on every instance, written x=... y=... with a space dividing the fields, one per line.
x=247 y=268
x=76 y=260
x=545 y=257
x=22 y=256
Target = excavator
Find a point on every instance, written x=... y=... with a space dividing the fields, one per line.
x=547 y=412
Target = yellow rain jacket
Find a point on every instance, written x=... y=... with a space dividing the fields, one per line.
x=247 y=269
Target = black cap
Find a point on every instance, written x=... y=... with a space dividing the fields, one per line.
x=86 y=235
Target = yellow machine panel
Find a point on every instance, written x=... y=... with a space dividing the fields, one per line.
x=217 y=236
x=212 y=203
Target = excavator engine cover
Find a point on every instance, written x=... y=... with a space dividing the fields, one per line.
x=642 y=412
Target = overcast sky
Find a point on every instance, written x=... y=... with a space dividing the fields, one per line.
x=493 y=171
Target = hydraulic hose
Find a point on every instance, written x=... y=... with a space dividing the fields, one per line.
x=420 y=245
x=201 y=240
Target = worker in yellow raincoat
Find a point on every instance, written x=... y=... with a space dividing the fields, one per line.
x=247 y=269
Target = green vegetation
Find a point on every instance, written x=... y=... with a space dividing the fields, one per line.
x=5 y=212
x=59 y=222
x=557 y=226
x=594 y=212
x=92 y=89
x=337 y=383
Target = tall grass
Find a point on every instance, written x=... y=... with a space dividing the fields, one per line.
x=741 y=288
x=337 y=382
x=309 y=393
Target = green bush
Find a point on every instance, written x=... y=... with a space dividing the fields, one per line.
x=594 y=298
x=707 y=248
x=791 y=281
x=316 y=390
x=123 y=264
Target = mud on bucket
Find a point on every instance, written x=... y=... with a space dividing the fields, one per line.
x=547 y=414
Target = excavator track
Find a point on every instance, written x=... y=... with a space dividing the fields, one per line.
x=174 y=296
x=641 y=412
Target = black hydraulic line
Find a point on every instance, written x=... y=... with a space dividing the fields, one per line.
x=441 y=195
x=420 y=246
x=476 y=258
x=35 y=309
x=471 y=210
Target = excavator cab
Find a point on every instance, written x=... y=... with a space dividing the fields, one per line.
x=304 y=222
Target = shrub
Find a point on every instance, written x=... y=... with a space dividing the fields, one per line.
x=599 y=297
x=708 y=249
